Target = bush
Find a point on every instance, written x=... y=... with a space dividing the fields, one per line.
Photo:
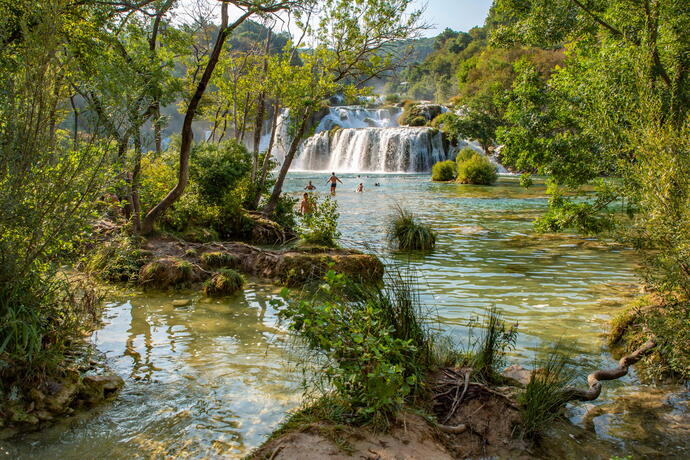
x=477 y=170
x=526 y=180
x=407 y=233
x=465 y=154
x=374 y=349
x=443 y=171
x=225 y=282
x=218 y=168
x=392 y=98
x=320 y=227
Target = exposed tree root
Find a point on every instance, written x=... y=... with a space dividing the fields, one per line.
x=594 y=379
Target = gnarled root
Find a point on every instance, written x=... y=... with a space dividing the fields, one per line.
x=594 y=379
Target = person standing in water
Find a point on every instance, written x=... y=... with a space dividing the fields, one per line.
x=334 y=181
x=360 y=188
x=305 y=206
x=310 y=186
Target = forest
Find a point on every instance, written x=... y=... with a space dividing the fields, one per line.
x=172 y=284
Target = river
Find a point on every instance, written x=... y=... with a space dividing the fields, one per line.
x=212 y=379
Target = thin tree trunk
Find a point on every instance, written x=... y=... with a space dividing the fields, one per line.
x=75 y=111
x=267 y=158
x=278 y=187
x=187 y=132
x=260 y=111
x=134 y=185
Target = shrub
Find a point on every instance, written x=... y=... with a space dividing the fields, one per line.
x=465 y=154
x=218 y=168
x=219 y=259
x=526 y=180
x=320 y=227
x=419 y=120
x=392 y=98
x=477 y=170
x=407 y=233
x=225 y=282
x=443 y=171
x=374 y=349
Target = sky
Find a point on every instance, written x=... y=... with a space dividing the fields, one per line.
x=456 y=14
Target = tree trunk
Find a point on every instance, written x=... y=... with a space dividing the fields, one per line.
x=134 y=185
x=75 y=133
x=261 y=180
x=187 y=132
x=278 y=187
x=260 y=112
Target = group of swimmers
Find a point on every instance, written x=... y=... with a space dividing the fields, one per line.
x=305 y=206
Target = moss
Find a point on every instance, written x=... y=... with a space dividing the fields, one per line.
x=118 y=260
x=223 y=283
x=168 y=273
x=300 y=268
x=333 y=131
x=668 y=320
x=200 y=235
x=219 y=260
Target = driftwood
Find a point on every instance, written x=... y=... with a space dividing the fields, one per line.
x=594 y=379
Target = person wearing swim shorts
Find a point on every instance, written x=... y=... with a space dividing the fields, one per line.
x=333 y=181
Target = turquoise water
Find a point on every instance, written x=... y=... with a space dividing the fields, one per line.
x=214 y=378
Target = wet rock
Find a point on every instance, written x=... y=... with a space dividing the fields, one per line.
x=517 y=374
x=37 y=397
x=181 y=302
x=61 y=396
x=96 y=388
x=19 y=415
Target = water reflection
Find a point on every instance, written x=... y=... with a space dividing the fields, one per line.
x=210 y=379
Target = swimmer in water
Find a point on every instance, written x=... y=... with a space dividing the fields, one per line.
x=333 y=181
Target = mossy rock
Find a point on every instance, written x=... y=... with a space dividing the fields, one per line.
x=200 y=235
x=304 y=267
x=168 y=272
x=97 y=388
x=219 y=259
x=225 y=282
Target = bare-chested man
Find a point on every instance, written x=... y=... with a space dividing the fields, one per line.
x=333 y=181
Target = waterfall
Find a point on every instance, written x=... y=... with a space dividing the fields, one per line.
x=396 y=149
x=354 y=117
x=357 y=139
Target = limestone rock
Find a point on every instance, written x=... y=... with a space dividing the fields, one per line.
x=96 y=388
x=517 y=374
x=61 y=396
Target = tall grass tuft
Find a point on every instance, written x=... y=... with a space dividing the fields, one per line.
x=407 y=233
x=543 y=397
x=496 y=338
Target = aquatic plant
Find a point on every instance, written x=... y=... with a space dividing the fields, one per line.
x=477 y=170
x=495 y=340
x=407 y=233
x=444 y=171
x=225 y=282
x=544 y=396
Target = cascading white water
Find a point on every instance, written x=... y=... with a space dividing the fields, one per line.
x=397 y=149
x=357 y=139
x=354 y=117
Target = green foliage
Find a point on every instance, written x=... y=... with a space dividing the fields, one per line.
x=391 y=98
x=217 y=169
x=225 y=282
x=667 y=320
x=477 y=170
x=371 y=345
x=526 y=180
x=118 y=260
x=320 y=227
x=466 y=154
x=443 y=171
x=48 y=186
x=543 y=398
x=407 y=233
x=219 y=259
